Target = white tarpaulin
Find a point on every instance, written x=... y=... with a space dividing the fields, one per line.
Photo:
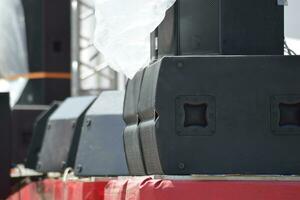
x=123 y=30
x=292 y=25
x=13 y=49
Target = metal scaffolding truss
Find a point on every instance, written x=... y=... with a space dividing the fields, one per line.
x=90 y=74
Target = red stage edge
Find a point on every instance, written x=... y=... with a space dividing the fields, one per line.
x=147 y=188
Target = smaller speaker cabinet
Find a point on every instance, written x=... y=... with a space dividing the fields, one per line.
x=132 y=141
x=62 y=135
x=40 y=127
x=101 y=147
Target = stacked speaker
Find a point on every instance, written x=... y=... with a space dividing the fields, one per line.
x=219 y=97
x=217 y=115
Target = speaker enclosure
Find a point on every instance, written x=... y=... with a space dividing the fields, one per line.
x=221 y=115
x=48 y=31
x=62 y=135
x=101 y=148
x=224 y=27
x=39 y=130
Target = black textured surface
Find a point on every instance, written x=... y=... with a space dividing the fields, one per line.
x=244 y=97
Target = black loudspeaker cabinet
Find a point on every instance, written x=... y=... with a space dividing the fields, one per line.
x=225 y=27
x=133 y=149
x=39 y=130
x=48 y=31
x=23 y=118
x=48 y=34
x=221 y=115
x=5 y=146
x=62 y=135
x=101 y=147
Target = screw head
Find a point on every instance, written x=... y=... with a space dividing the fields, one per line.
x=78 y=168
x=63 y=164
x=88 y=122
x=181 y=166
x=39 y=165
x=179 y=64
x=73 y=124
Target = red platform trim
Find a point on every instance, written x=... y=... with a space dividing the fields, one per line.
x=59 y=190
x=145 y=188
x=148 y=189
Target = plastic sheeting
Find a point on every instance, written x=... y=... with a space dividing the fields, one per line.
x=292 y=25
x=123 y=29
x=13 y=48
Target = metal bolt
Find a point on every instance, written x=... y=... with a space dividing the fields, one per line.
x=63 y=164
x=88 y=122
x=73 y=124
x=179 y=64
x=181 y=166
x=39 y=166
x=78 y=168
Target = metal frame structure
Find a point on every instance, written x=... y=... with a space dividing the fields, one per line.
x=90 y=74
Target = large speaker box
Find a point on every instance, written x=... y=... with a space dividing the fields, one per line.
x=227 y=27
x=48 y=31
x=62 y=135
x=221 y=115
x=39 y=129
x=132 y=141
x=101 y=147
